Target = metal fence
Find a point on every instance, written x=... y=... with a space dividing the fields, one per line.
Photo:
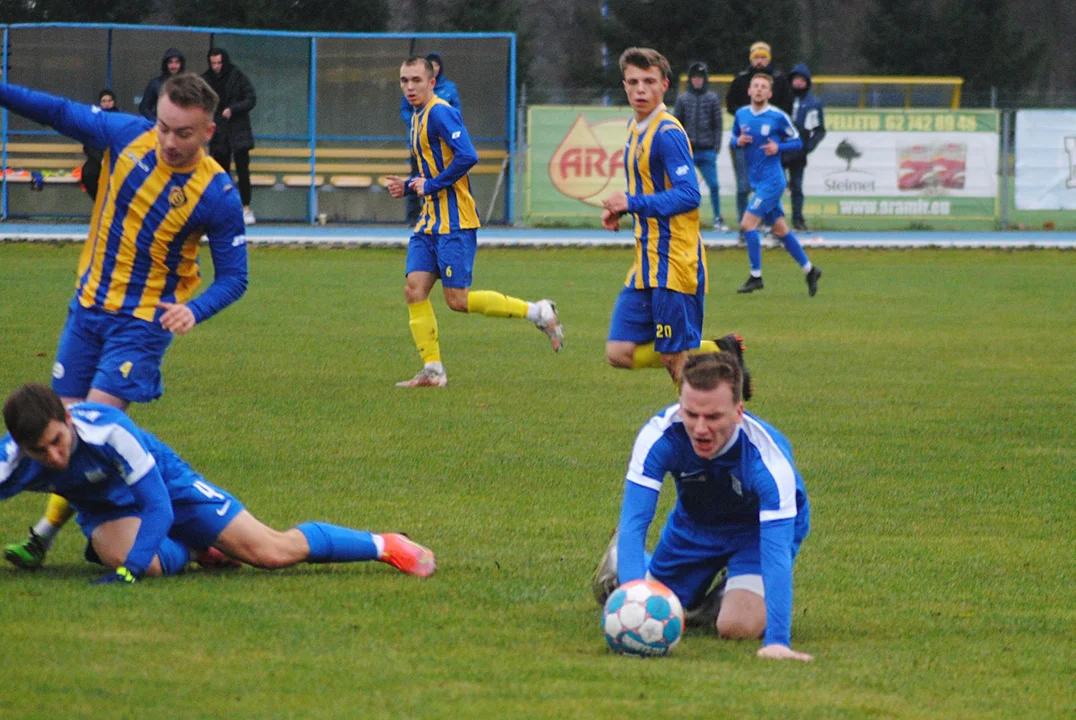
x=328 y=106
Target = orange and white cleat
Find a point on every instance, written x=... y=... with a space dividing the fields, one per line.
x=427 y=377
x=549 y=322
x=407 y=556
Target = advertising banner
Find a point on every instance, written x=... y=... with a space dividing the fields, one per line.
x=897 y=164
x=1046 y=160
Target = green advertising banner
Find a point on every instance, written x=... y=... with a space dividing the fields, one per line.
x=895 y=164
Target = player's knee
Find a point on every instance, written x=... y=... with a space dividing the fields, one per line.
x=618 y=358
x=456 y=301
x=740 y=628
x=412 y=294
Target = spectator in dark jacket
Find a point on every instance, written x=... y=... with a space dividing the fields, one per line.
x=444 y=89
x=760 y=58
x=91 y=169
x=234 y=136
x=699 y=111
x=809 y=118
x=173 y=62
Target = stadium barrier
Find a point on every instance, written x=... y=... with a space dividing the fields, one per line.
x=327 y=123
x=871 y=91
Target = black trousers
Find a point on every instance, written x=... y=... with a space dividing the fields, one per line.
x=242 y=168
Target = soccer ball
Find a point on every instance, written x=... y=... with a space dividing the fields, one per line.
x=644 y=618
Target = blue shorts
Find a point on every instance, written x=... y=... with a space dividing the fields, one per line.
x=767 y=207
x=118 y=354
x=687 y=560
x=671 y=320
x=202 y=511
x=450 y=257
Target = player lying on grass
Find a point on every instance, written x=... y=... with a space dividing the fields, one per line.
x=740 y=505
x=144 y=510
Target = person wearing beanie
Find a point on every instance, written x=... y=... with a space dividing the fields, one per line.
x=699 y=111
x=809 y=118
x=760 y=58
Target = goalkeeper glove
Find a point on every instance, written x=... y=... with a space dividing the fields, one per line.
x=119 y=575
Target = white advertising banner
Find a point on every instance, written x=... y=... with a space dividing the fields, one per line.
x=1046 y=160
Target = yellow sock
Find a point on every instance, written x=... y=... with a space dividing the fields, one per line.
x=707 y=346
x=424 y=330
x=493 y=304
x=646 y=357
x=58 y=511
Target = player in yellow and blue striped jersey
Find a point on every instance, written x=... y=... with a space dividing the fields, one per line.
x=658 y=316
x=444 y=242
x=139 y=266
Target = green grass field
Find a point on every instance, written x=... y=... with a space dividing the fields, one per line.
x=929 y=395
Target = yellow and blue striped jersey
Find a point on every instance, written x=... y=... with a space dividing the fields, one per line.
x=443 y=152
x=663 y=196
x=148 y=217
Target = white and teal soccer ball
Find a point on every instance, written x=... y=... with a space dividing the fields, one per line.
x=643 y=618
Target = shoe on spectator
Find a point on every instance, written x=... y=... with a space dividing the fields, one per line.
x=248 y=217
x=720 y=226
x=800 y=225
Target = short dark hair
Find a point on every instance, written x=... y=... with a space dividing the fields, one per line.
x=186 y=90
x=705 y=371
x=28 y=411
x=419 y=60
x=105 y=92
x=645 y=58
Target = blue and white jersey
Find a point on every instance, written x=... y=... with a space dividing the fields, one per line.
x=115 y=466
x=764 y=172
x=751 y=481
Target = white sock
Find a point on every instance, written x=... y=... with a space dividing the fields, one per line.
x=379 y=543
x=807 y=267
x=435 y=366
x=46 y=531
x=534 y=314
x=756 y=273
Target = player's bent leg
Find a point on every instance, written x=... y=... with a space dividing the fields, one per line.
x=249 y=540
x=743 y=611
x=622 y=354
x=112 y=541
x=105 y=398
x=674 y=363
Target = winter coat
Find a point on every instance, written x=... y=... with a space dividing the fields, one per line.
x=147 y=107
x=808 y=116
x=91 y=169
x=444 y=89
x=737 y=95
x=699 y=111
x=237 y=94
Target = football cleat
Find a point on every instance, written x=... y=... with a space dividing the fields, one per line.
x=604 y=580
x=705 y=613
x=753 y=283
x=734 y=344
x=549 y=323
x=29 y=554
x=407 y=556
x=812 y=280
x=213 y=559
x=427 y=377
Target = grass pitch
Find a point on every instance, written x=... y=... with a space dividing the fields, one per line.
x=929 y=397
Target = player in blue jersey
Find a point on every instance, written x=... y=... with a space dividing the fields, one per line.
x=753 y=132
x=144 y=510
x=657 y=319
x=159 y=194
x=740 y=505
x=444 y=242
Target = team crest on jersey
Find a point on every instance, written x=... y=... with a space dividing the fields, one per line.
x=177 y=198
x=766 y=129
x=638 y=152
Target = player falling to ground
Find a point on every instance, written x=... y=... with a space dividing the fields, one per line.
x=145 y=511
x=740 y=506
x=657 y=319
x=444 y=242
x=753 y=130
x=139 y=266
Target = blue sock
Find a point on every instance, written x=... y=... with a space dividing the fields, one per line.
x=173 y=556
x=792 y=245
x=332 y=543
x=754 y=250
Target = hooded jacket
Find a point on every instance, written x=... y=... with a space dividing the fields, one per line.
x=147 y=107
x=237 y=94
x=444 y=89
x=808 y=117
x=737 y=95
x=699 y=111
